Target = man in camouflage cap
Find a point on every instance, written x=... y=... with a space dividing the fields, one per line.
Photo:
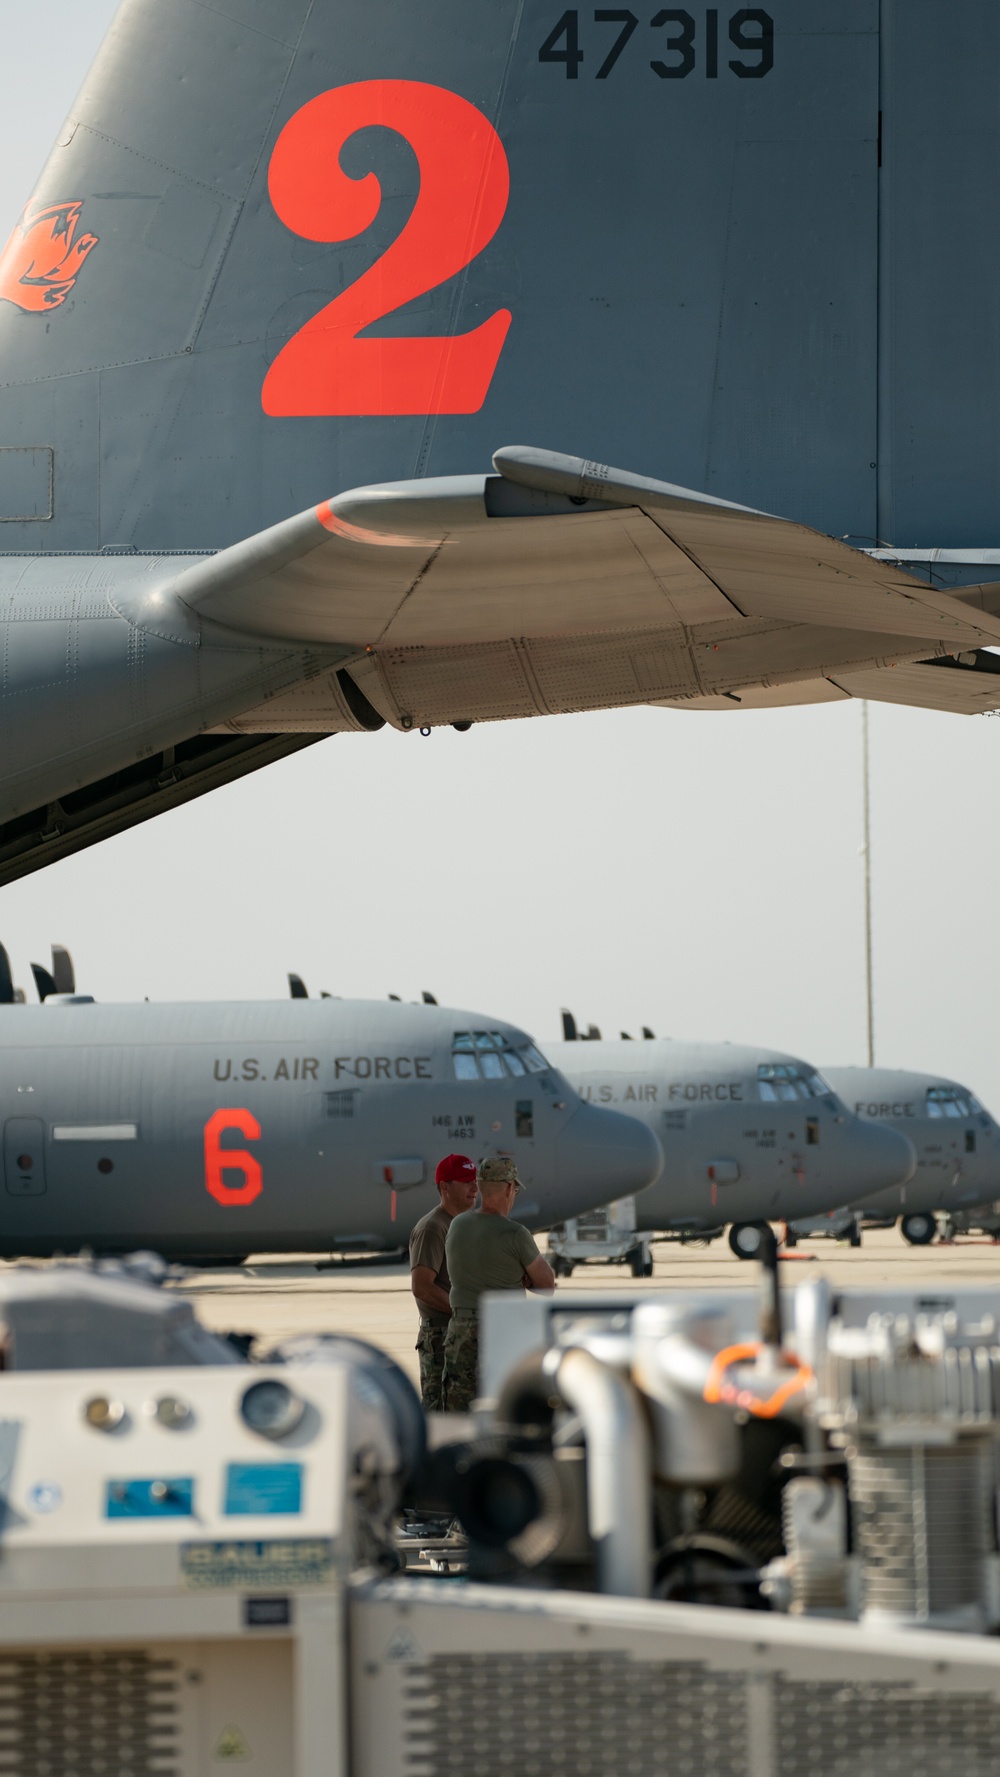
x=485 y=1251
x=456 y=1182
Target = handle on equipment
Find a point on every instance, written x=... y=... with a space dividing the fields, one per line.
x=718 y=1389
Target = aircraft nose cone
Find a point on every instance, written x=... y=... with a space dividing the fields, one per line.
x=602 y=1155
x=885 y=1156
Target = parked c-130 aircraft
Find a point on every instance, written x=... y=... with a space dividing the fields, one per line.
x=956 y=1141
x=749 y=1135
x=213 y=1131
x=284 y=249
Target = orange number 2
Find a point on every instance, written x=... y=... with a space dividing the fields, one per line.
x=219 y=1160
x=464 y=184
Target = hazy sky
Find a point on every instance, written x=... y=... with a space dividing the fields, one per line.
x=698 y=873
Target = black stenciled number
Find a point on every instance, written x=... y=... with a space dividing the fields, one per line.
x=751 y=30
x=628 y=22
x=712 y=44
x=683 y=45
x=761 y=42
x=572 y=55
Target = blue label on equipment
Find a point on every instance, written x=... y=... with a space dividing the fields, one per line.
x=161 y=1497
x=258 y=1487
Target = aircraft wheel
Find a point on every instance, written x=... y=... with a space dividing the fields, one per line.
x=744 y=1239
x=639 y=1265
x=791 y=1238
x=919 y=1230
x=854 y=1237
x=561 y=1266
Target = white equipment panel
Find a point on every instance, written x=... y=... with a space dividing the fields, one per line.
x=558 y=1684
x=171 y=1579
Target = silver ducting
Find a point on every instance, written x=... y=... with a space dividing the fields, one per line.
x=821 y=1454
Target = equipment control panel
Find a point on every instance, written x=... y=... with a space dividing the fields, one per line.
x=204 y=1453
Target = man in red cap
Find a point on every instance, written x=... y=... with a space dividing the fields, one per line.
x=456 y=1181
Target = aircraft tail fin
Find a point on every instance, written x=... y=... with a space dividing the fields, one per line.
x=44 y=982
x=63 y=972
x=227 y=175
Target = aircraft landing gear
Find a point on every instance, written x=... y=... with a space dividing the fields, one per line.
x=640 y=1262
x=745 y=1238
x=919 y=1230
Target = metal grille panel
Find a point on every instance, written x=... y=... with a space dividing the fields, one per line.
x=573 y=1715
x=922 y=1526
x=879 y=1730
x=108 y=1714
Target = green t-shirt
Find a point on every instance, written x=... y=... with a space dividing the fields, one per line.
x=427 y=1248
x=486 y=1253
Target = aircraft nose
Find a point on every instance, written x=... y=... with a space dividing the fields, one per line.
x=602 y=1155
x=884 y=1156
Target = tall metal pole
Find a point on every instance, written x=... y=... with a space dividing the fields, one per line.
x=867 y=849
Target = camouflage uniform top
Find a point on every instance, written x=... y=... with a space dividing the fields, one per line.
x=486 y=1252
x=427 y=1247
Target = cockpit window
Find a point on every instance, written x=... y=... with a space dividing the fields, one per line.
x=783 y=1082
x=490 y=1055
x=950 y=1101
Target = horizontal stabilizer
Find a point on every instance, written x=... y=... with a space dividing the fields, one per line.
x=945 y=685
x=554 y=546
x=953 y=686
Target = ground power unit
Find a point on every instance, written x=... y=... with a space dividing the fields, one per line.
x=696 y=1542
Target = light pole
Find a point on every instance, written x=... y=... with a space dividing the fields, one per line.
x=867 y=850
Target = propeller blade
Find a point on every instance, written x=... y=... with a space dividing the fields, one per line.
x=297 y=988
x=428 y=998
x=569 y=1027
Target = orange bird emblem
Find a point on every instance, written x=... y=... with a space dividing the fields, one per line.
x=42 y=260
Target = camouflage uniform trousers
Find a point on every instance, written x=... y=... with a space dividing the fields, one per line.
x=461 y=1362
x=430 y=1348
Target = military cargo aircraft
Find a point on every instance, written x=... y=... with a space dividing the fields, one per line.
x=956 y=1141
x=748 y=1135
x=213 y=1131
x=296 y=268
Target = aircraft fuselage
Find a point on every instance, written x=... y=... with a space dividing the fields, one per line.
x=203 y=1130
x=747 y=1134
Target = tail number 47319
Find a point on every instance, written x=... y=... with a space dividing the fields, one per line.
x=326 y=368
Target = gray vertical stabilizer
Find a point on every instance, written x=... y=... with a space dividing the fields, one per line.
x=648 y=243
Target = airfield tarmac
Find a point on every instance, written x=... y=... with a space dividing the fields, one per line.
x=275 y=1297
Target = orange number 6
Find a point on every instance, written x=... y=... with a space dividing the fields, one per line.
x=219 y=1160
